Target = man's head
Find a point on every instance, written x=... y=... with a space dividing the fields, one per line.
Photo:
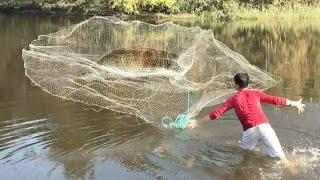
x=242 y=80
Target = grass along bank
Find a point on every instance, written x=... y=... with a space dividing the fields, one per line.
x=230 y=10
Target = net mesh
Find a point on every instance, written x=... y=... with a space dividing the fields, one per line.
x=155 y=72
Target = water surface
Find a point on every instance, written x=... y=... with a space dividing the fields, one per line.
x=44 y=137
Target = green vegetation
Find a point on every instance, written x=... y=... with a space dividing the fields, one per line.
x=60 y=6
x=218 y=9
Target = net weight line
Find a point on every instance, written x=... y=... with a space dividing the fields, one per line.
x=181 y=120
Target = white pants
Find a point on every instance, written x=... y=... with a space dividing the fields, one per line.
x=266 y=136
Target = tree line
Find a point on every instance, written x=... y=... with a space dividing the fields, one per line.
x=152 y=6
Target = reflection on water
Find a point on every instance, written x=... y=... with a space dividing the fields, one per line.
x=43 y=136
x=288 y=51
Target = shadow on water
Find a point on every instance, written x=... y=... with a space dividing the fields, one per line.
x=46 y=137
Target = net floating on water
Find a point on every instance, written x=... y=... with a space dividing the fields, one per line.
x=155 y=72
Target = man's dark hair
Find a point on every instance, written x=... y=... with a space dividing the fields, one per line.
x=242 y=80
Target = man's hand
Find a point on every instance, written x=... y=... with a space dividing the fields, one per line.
x=298 y=104
x=192 y=123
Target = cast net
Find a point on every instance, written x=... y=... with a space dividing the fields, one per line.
x=155 y=72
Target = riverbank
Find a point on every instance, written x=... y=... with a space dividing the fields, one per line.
x=229 y=12
x=243 y=13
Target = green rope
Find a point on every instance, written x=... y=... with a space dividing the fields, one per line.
x=181 y=120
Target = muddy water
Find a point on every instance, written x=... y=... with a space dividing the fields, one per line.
x=43 y=137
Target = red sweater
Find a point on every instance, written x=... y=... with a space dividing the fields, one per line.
x=247 y=107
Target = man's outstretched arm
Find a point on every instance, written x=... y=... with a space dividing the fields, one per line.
x=192 y=123
x=280 y=101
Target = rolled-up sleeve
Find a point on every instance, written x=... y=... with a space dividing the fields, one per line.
x=265 y=98
x=222 y=109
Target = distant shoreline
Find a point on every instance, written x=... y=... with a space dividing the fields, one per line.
x=300 y=12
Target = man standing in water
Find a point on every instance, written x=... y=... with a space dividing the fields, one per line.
x=246 y=103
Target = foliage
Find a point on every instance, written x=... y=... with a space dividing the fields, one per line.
x=220 y=9
x=81 y=6
x=136 y=6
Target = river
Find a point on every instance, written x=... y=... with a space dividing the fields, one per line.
x=44 y=137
